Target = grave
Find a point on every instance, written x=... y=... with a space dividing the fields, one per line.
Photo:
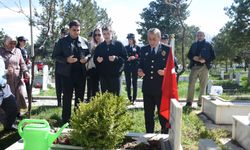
x=171 y=141
x=241 y=131
x=221 y=111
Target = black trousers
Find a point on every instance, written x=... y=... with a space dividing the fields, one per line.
x=9 y=106
x=76 y=82
x=150 y=101
x=131 y=76
x=58 y=80
x=111 y=85
x=93 y=81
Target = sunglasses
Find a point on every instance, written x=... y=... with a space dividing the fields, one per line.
x=12 y=43
x=97 y=34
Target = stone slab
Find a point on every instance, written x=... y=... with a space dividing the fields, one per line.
x=175 y=121
x=208 y=144
x=221 y=111
x=241 y=131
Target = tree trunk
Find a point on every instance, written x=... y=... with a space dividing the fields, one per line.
x=31 y=85
x=226 y=66
x=248 y=76
x=182 y=42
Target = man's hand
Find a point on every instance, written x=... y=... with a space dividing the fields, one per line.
x=112 y=58
x=140 y=73
x=99 y=59
x=84 y=60
x=131 y=58
x=71 y=60
x=196 y=58
x=202 y=60
x=160 y=72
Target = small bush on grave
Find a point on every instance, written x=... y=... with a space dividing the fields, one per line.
x=101 y=124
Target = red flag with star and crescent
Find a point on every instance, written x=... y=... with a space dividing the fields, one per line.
x=169 y=87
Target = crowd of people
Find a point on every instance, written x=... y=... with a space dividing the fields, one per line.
x=98 y=63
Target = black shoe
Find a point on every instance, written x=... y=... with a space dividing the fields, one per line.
x=188 y=104
x=164 y=131
x=199 y=104
x=132 y=102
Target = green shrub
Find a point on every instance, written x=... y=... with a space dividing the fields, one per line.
x=101 y=124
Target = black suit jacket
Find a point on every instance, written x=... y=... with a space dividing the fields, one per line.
x=63 y=49
x=107 y=68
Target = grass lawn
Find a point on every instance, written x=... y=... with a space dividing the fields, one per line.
x=182 y=89
x=192 y=127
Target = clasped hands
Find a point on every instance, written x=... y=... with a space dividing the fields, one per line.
x=111 y=58
x=72 y=60
x=142 y=74
x=199 y=59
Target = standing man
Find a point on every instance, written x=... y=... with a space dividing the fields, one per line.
x=58 y=78
x=201 y=54
x=152 y=64
x=165 y=41
x=71 y=53
x=131 y=66
x=109 y=58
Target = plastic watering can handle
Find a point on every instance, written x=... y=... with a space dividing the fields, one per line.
x=53 y=136
x=24 y=121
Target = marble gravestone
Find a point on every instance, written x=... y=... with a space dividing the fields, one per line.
x=241 y=131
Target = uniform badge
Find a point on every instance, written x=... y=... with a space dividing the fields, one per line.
x=146 y=54
x=163 y=53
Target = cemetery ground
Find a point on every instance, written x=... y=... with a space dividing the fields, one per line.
x=194 y=126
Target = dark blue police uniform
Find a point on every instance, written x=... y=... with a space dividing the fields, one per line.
x=130 y=70
x=150 y=62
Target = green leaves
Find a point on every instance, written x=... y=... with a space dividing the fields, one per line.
x=102 y=123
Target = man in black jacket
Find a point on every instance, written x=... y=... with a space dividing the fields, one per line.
x=58 y=78
x=71 y=53
x=109 y=58
x=152 y=64
x=201 y=54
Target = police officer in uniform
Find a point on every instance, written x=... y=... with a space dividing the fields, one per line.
x=72 y=53
x=109 y=58
x=152 y=64
x=131 y=66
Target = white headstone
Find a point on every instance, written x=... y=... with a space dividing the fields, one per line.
x=216 y=90
x=209 y=86
x=45 y=77
x=237 y=78
x=175 y=121
x=35 y=69
x=231 y=76
x=222 y=74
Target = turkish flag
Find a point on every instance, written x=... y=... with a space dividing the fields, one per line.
x=169 y=87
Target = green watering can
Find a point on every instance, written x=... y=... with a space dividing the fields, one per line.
x=36 y=134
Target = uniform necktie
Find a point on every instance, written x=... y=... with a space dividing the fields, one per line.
x=153 y=51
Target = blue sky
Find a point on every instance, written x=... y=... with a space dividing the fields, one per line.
x=206 y=14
